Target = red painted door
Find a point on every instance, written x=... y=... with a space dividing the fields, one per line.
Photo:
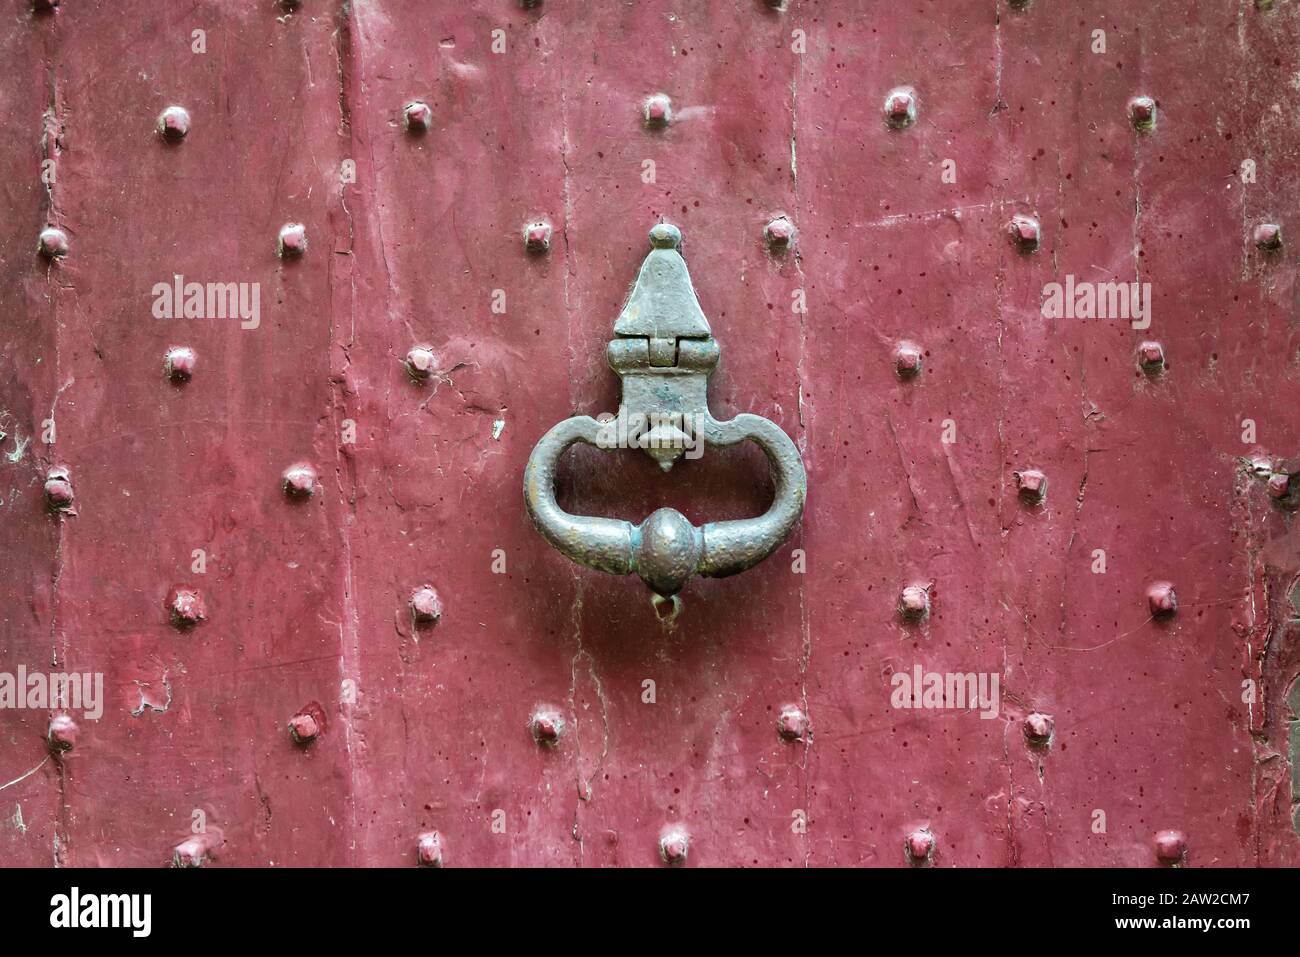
x=1017 y=280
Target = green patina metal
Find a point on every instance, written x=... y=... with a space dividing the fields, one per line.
x=665 y=352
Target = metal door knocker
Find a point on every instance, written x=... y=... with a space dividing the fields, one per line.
x=664 y=352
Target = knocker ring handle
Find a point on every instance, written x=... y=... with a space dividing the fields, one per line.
x=664 y=351
x=666 y=549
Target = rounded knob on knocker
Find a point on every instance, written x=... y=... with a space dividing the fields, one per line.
x=669 y=551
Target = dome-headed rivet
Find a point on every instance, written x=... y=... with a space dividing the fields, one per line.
x=658 y=110
x=62 y=733
x=426 y=607
x=1162 y=599
x=792 y=723
x=546 y=726
x=292 y=241
x=908 y=359
x=779 y=234
x=537 y=236
x=914 y=602
x=1031 y=486
x=179 y=363
x=1142 y=112
x=1171 y=847
x=674 y=846
x=428 y=849
x=417 y=116
x=1268 y=236
x=174 y=123
x=1039 y=727
x=1151 y=357
x=192 y=852
x=1025 y=232
x=308 y=724
x=185 y=605
x=58 y=489
x=53 y=243
x=900 y=107
x=919 y=846
x=420 y=363
x=1279 y=485
x=299 y=481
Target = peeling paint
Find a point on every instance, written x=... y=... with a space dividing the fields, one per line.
x=146 y=704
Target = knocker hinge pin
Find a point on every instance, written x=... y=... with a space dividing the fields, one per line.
x=663 y=352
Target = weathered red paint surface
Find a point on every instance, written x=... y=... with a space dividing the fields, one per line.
x=306 y=599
